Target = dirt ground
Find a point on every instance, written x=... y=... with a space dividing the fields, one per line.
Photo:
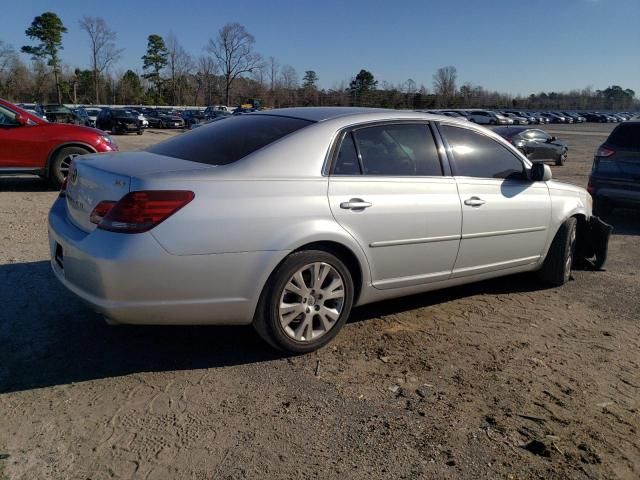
x=501 y=379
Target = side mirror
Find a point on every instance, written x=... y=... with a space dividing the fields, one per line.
x=540 y=172
x=21 y=119
x=553 y=139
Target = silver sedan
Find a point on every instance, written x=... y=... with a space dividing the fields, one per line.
x=286 y=219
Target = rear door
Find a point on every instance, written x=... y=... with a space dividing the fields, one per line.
x=505 y=216
x=387 y=189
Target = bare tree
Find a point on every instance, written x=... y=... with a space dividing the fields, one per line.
x=233 y=50
x=180 y=64
x=103 y=48
x=206 y=76
x=444 y=82
x=273 y=68
x=7 y=55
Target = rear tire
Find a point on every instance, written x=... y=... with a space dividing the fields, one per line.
x=60 y=164
x=297 y=328
x=556 y=269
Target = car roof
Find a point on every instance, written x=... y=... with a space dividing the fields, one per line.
x=319 y=114
x=511 y=130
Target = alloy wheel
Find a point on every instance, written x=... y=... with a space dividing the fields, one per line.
x=311 y=302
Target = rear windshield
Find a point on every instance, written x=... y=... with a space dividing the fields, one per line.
x=626 y=136
x=229 y=139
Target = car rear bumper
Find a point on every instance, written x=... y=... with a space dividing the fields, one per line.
x=616 y=191
x=130 y=278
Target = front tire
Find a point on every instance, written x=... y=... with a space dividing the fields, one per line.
x=556 y=269
x=61 y=162
x=305 y=303
x=562 y=159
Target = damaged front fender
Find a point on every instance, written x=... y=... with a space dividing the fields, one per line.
x=594 y=245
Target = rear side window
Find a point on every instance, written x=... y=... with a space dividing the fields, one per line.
x=626 y=136
x=479 y=156
x=402 y=150
x=347 y=161
x=230 y=139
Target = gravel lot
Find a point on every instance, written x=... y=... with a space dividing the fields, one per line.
x=501 y=379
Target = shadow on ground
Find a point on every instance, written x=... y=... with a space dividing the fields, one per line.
x=49 y=337
x=26 y=183
x=624 y=221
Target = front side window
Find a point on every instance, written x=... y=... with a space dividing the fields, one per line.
x=401 y=150
x=7 y=117
x=477 y=155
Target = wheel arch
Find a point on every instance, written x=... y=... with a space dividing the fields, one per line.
x=346 y=255
x=57 y=148
x=580 y=214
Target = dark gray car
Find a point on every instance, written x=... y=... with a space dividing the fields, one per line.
x=615 y=176
x=537 y=145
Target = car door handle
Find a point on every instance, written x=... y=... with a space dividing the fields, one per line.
x=474 y=202
x=355 y=204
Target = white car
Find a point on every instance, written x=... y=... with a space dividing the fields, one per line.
x=289 y=218
x=487 y=117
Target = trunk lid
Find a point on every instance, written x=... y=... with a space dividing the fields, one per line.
x=94 y=178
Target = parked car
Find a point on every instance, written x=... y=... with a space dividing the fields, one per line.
x=192 y=117
x=118 y=121
x=249 y=220
x=138 y=112
x=214 y=114
x=164 y=119
x=532 y=119
x=552 y=117
x=615 y=176
x=595 y=117
x=57 y=113
x=577 y=118
x=208 y=121
x=210 y=110
x=31 y=145
x=517 y=119
x=454 y=114
x=537 y=145
x=33 y=107
x=487 y=117
x=92 y=112
x=542 y=120
x=82 y=115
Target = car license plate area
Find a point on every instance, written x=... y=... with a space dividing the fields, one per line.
x=59 y=256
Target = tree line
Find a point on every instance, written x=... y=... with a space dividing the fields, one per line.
x=230 y=71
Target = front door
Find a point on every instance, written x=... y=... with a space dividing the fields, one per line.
x=388 y=191
x=505 y=216
x=20 y=146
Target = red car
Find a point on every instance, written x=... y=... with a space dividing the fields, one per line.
x=29 y=144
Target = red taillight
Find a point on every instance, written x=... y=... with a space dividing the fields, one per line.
x=101 y=211
x=63 y=188
x=138 y=212
x=590 y=187
x=604 y=152
x=509 y=139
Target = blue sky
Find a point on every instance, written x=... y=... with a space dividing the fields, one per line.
x=515 y=46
